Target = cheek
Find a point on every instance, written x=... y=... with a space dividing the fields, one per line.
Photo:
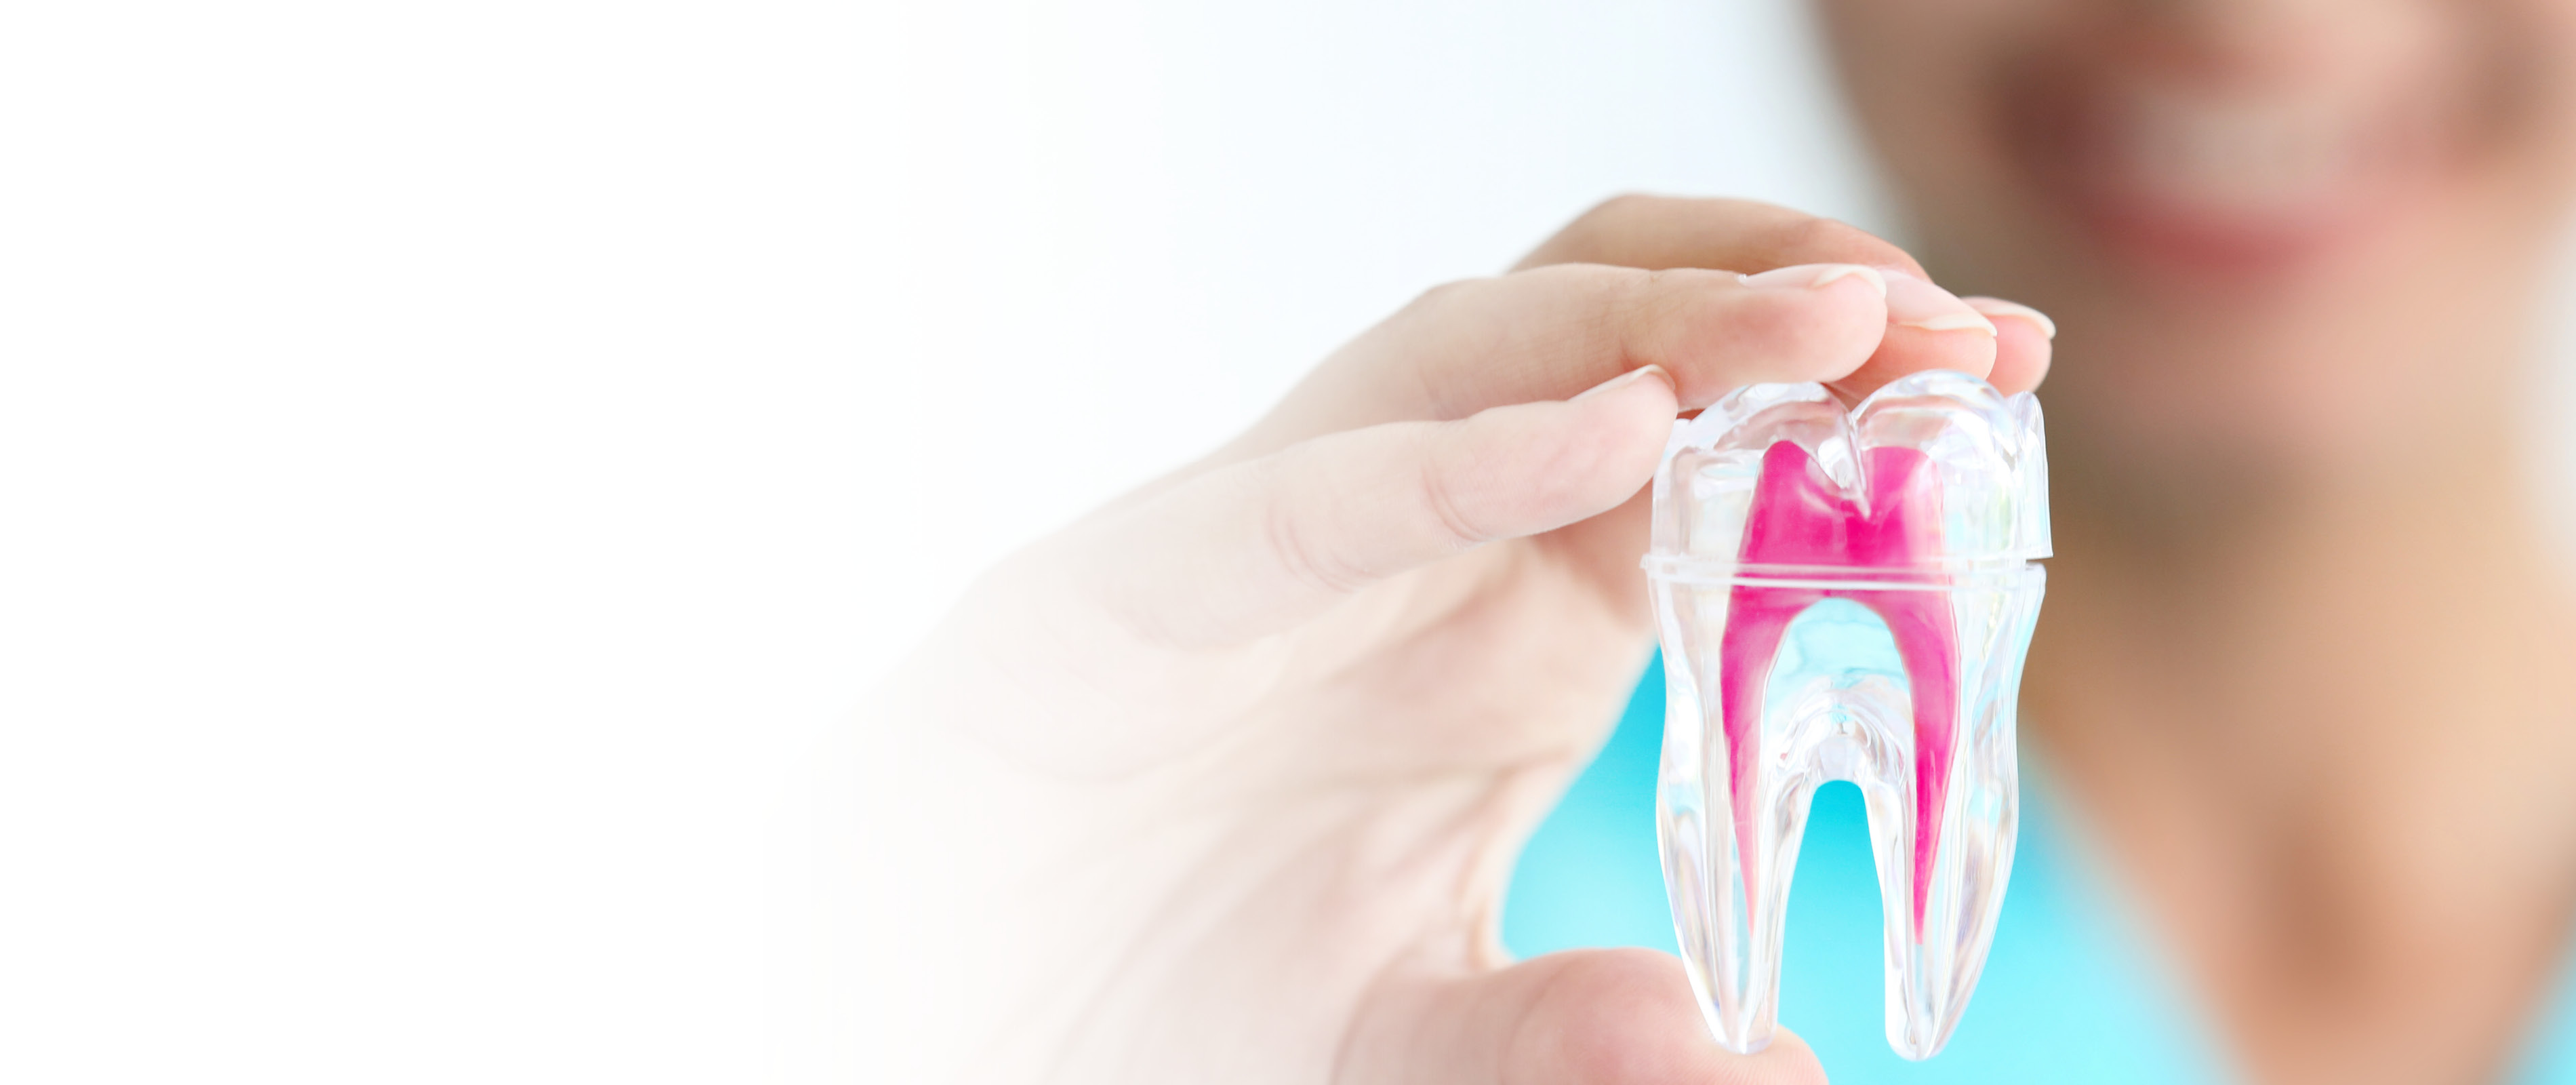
x=1921 y=79
x=2324 y=385
x=1902 y=63
x=2533 y=47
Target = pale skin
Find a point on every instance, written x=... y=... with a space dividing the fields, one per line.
x=1250 y=751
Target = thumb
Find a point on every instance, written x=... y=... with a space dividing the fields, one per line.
x=1582 y=1017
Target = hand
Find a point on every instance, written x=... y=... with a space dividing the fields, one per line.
x=1223 y=783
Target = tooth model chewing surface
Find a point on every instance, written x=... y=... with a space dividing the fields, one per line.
x=1845 y=595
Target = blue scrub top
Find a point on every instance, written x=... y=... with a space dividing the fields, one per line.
x=2070 y=991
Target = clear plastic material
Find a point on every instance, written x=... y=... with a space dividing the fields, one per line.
x=1845 y=595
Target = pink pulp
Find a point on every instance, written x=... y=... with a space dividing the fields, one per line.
x=1800 y=517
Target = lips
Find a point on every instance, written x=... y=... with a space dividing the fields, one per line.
x=1846 y=596
x=2223 y=178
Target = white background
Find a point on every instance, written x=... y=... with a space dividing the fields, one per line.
x=457 y=458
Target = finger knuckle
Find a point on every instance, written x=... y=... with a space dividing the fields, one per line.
x=1437 y=488
x=1784 y=326
x=1653 y=295
x=1290 y=537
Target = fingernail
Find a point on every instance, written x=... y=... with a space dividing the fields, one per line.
x=1814 y=277
x=1916 y=303
x=1999 y=307
x=1625 y=379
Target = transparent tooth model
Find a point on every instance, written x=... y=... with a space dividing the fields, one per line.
x=1845 y=596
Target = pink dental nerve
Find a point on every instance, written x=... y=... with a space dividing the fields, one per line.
x=1799 y=517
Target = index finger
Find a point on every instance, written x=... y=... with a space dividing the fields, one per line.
x=1743 y=235
x=1660 y=232
x=1551 y=332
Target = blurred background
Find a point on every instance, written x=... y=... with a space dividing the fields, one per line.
x=457 y=460
x=1116 y=233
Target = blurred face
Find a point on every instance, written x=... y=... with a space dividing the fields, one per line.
x=2273 y=232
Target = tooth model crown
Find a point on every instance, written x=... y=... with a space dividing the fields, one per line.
x=1845 y=596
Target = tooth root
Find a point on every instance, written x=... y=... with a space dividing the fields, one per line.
x=1800 y=518
x=1933 y=757
x=1926 y=641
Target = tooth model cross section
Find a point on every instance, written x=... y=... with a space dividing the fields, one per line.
x=1845 y=596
